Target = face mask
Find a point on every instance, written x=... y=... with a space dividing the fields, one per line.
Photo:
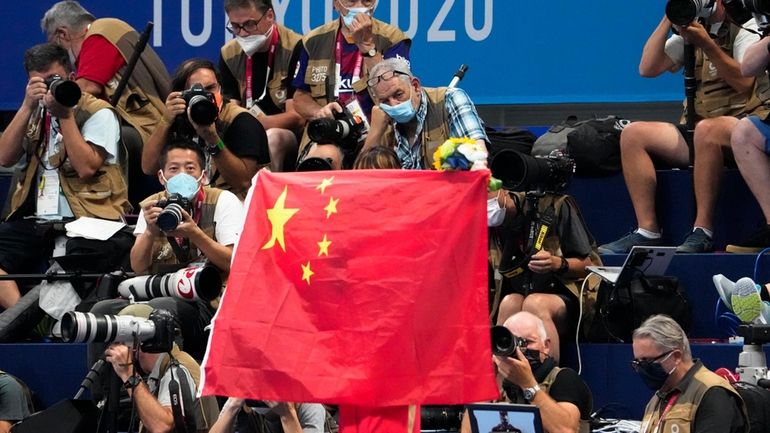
x=253 y=43
x=653 y=375
x=183 y=184
x=351 y=15
x=495 y=213
x=401 y=113
x=533 y=356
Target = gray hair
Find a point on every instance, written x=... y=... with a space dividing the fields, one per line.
x=260 y=5
x=666 y=333
x=396 y=64
x=65 y=14
x=526 y=315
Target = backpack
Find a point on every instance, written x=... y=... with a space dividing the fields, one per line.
x=619 y=309
x=757 y=400
x=520 y=140
x=594 y=144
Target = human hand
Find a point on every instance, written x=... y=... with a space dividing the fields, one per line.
x=328 y=110
x=281 y=408
x=515 y=369
x=55 y=108
x=151 y=212
x=695 y=34
x=186 y=227
x=175 y=105
x=34 y=93
x=541 y=262
x=119 y=356
x=361 y=30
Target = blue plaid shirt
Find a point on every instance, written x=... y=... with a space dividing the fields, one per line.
x=463 y=121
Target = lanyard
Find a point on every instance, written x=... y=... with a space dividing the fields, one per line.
x=270 y=57
x=671 y=401
x=338 y=66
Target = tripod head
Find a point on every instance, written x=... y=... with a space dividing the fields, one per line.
x=752 y=365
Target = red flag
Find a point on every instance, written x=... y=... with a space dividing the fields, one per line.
x=365 y=288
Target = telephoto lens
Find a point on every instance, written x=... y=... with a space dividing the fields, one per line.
x=77 y=327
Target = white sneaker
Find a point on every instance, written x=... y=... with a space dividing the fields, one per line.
x=725 y=288
x=746 y=300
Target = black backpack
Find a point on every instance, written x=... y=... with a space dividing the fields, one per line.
x=757 y=400
x=594 y=144
x=520 y=140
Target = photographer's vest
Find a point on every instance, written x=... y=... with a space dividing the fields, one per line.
x=162 y=252
x=435 y=128
x=143 y=101
x=680 y=415
x=545 y=385
x=714 y=96
x=227 y=115
x=104 y=195
x=235 y=59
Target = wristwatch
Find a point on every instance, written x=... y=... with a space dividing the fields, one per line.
x=529 y=393
x=132 y=381
x=370 y=53
x=563 y=267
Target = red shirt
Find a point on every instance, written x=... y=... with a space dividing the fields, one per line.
x=98 y=60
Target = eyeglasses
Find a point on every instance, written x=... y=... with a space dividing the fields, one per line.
x=350 y=3
x=249 y=26
x=638 y=364
x=385 y=76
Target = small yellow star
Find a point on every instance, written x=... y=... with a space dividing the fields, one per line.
x=331 y=207
x=323 y=247
x=278 y=217
x=307 y=273
x=324 y=183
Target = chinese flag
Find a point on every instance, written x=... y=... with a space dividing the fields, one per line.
x=363 y=288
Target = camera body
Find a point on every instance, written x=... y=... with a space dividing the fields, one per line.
x=156 y=333
x=345 y=130
x=171 y=215
x=521 y=172
x=201 y=104
x=683 y=12
x=504 y=343
x=66 y=92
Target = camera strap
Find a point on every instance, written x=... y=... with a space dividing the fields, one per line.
x=181 y=249
x=182 y=423
x=538 y=227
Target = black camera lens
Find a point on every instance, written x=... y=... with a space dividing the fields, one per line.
x=682 y=12
x=203 y=111
x=327 y=130
x=314 y=164
x=503 y=341
x=170 y=217
x=523 y=173
x=66 y=92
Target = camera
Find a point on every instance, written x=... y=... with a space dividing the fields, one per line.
x=741 y=11
x=171 y=215
x=441 y=418
x=156 y=333
x=66 y=92
x=683 y=12
x=345 y=130
x=504 y=343
x=202 y=105
x=521 y=172
x=315 y=163
x=193 y=283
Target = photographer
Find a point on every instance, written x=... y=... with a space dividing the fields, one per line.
x=539 y=243
x=67 y=148
x=261 y=56
x=207 y=230
x=234 y=141
x=147 y=377
x=688 y=396
x=531 y=376
x=100 y=48
x=237 y=415
x=750 y=143
x=415 y=120
x=351 y=45
x=722 y=94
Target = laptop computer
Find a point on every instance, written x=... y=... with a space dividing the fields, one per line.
x=647 y=261
x=504 y=417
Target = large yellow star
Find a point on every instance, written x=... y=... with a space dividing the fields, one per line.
x=278 y=217
x=331 y=207
x=306 y=272
x=324 y=183
x=323 y=247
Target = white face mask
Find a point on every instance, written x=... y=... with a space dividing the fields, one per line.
x=253 y=43
x=495 y=213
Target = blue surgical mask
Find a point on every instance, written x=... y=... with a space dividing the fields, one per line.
x=182 y=184
x=401 y=113
x=351 y=15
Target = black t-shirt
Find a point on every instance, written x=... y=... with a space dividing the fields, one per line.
x=232 y=89
x=246 y=138
x=569 y=387
x=718 y=412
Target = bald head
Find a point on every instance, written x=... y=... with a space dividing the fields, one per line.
x=531 y=328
